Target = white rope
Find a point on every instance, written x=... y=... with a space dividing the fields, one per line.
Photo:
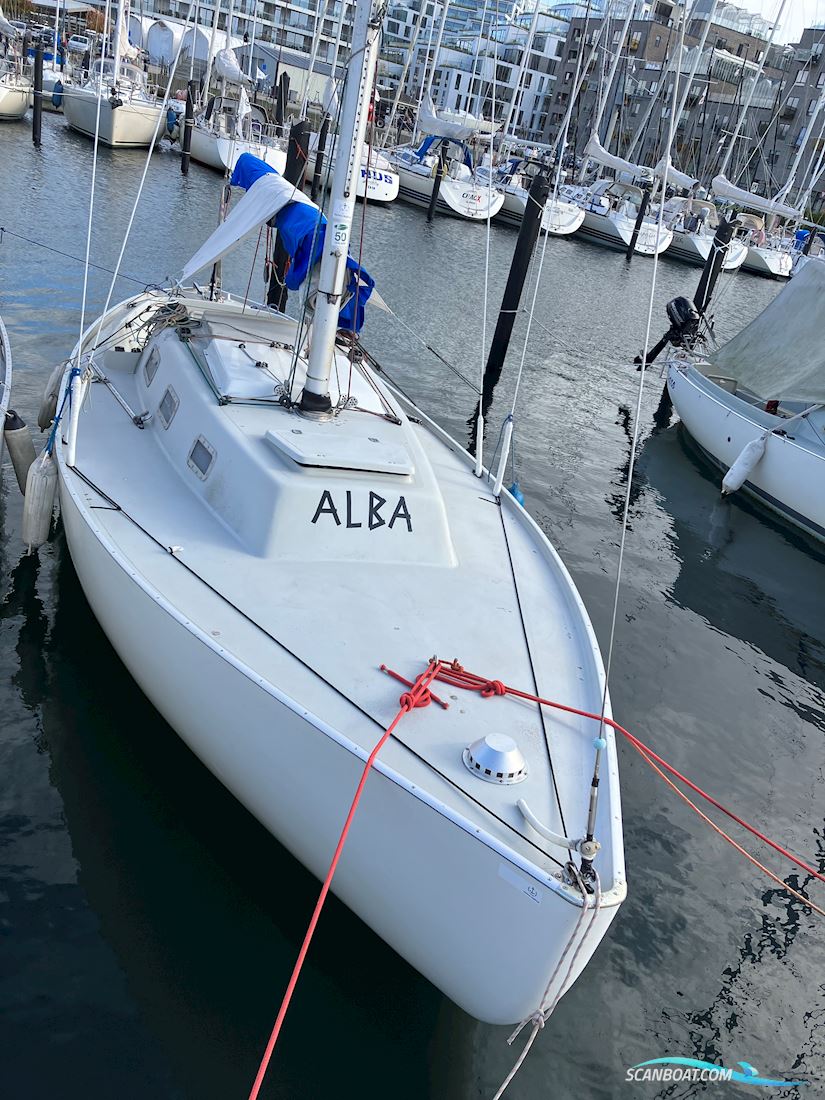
x=545 y=1010
x=86 y=263
x=145 y=168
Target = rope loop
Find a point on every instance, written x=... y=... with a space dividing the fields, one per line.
x=491 y=688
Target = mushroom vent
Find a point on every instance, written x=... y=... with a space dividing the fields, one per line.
x=496 y=758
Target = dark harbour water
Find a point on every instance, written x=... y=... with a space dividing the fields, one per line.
x=149 y=924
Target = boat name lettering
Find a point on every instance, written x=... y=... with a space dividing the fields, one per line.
x=471 y=195
x=374 y=518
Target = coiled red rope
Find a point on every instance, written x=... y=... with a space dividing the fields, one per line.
x=420 y=695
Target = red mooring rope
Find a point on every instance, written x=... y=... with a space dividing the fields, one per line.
x=419 y=695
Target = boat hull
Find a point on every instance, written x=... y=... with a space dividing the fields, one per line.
x=458 y=198
x=558 y=218
x=14 y=102
x=616 y=231
x=789 y=480
x=690 y=248
x=376 y=184
x=429 y=883
x=771 y=263
x=133 y=125
x=222 y=153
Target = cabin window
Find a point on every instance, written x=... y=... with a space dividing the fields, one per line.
x=168 y=407
x=150 y=367
x=201 y=458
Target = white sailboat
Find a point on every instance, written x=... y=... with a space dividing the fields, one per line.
x=15 y=88
x=461 y=194
x=693 y=222
x=5 y=381
x=771 y=253
x=611 y=207
x=229 y=125
x=377 y=179
x=129 y=113
x=15 y=91
x=513 y=179
x=757 y=409
x=254 y=540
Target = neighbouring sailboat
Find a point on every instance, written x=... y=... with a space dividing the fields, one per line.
x=757 y=408
x=229 y=125
x=252 y=534
x=15 y=88
x=129 y=112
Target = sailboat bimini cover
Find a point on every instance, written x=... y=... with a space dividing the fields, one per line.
x=724 y=189
x=674 y=176
x=300 y=226
x=596 y=151
x=781 y=353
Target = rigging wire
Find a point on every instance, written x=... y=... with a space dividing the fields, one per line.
x=146 y=163
x=90 y=222
x=68 y=256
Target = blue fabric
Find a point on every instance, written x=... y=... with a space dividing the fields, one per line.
x=248 y=170
x=297 y=223
x=298 y=226
x=424 y=147
x=351 y=316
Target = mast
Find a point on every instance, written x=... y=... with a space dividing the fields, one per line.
x=118 y=32
x=695 y=66
x=608 y=85
x=212 y=44
x=437 y=47
x=783 y=194
x=531 y=34
x=751 y=91
x=354 y=115
x=403 y=78
x=316 y=39
x=254 y=4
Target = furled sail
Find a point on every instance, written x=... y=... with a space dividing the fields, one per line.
x=227 y=67
x=597 y=152
x=781 y=353
x=125 y=47
x=724 y=189
x=456 y=125
x=674 y=176
x=300 y=226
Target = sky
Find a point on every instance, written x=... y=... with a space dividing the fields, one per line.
x=798 y=15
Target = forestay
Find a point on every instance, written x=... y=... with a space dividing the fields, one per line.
x=781 y=353
x=724 y=189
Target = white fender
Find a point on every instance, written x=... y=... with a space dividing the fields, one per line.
x=745 y=464
x=41 y=486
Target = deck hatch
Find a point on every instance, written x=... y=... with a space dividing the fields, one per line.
x=333 y=448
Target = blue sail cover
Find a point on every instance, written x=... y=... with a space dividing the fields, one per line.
x=301 y=227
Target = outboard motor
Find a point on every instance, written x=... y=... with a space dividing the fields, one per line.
x=684 y=328
x=684 y=322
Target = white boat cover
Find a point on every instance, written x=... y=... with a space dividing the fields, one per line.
x=674 y=176
x=596 y=151
x=457 y=125
x=724 y=189
x=781 y=353
x=227 y=67
x=264 y=199
x=6 y=28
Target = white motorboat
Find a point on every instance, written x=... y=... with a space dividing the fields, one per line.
x=693 y=223
x=15 y=91
x=461 y=193
x=129 y=113
x=558 y=218
x=757 y=409
x=377 y=181
x=231 y=126
x=268 y=527
x=610 y=215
